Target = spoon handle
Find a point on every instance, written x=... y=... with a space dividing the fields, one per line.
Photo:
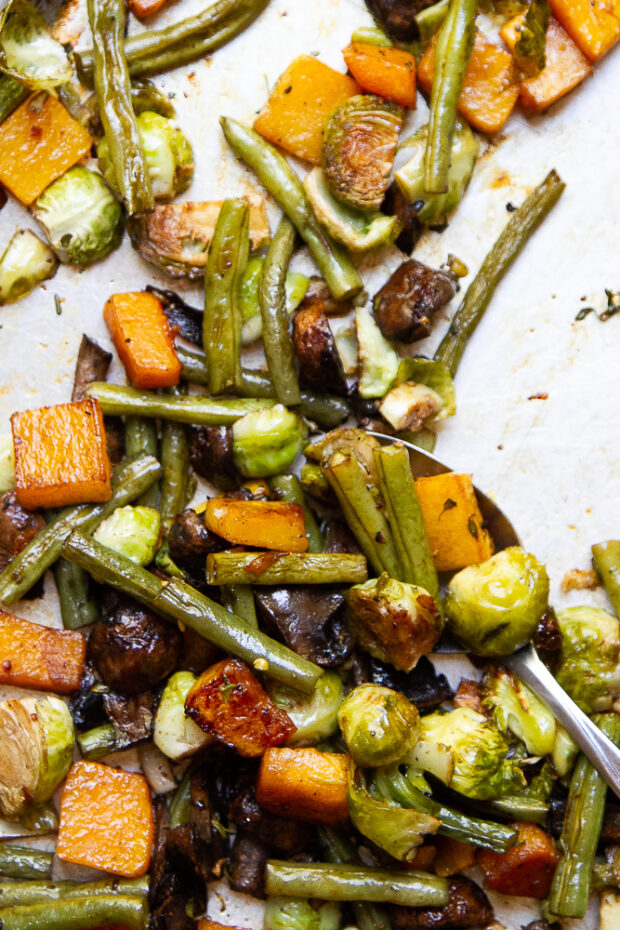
x=602 y=753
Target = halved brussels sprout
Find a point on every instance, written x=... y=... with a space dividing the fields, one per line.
x=410 y=406
x=347 y=441
x=315 y=715
x=81 y=217
x=379 y=725
x=7 y=464
x=410 y=178
x=565 y=752
x=434 y=375
x=378 y=360
x=132 y=532
x=516 y=708
x=168 y=154
x=299 y=914
x=174 y=733
x=434 y=758
x=27 y=50
x=295 y=287
x=359 y=145
x=146 y=97
x=589 y=668
x=26 y=262
x=483 y=768
x=359 y=232
x=494 y=607
x=37 y=748
x=267 y=441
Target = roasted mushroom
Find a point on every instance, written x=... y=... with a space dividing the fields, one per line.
x=423 y=686
x=310 y=620
x=467 y=907
x=320 y=365
x=17 y=527
x=247 y=864
x=396 y=204
x=548 y=639
x=406 y=304
x=92 y=364
x=212 y=456
x=398 y=16
x=185 y=320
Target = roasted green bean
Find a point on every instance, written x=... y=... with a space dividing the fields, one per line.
x=77 y=605
x=239 y=599
x=22 y=862
x=606 y=558
x=14 y=894
x=339 y=849
x=285 y=568
x=175 y=466
x=276 y=323
x=99 y=742
x=141 y=439
x=77 y=914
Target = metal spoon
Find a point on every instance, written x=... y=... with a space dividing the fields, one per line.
x=600 y=750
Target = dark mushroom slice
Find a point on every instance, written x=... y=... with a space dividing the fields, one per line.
x=318 y=290
x=468 y=907
x=405 y=306
x=185 y=320
x=133 y=649
x=339 y=538
x=423 y=686
x=310 y=620
x=320 y=365
x=548 y=639
x=92 y=364
x=131 y=716
x=398 y=16
x=287 y=836
x=247 y=864
x=211 y=456
x=17 y=527
x=197 y=652
x=396 y=204
x=115 y=438
x=191 y=542
x=86 y=705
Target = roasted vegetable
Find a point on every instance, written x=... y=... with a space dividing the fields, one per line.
x=40 y=657
x=315 y=715
x=80 y=216
x=595 y=29
x=24 y=264
x=467 y=906
x=590 y=661
x=27 y=50
x=320 y=365
x=398 y=17
x=12 y=93
x=359 y=144
x=174 y=733
x=517 y=709
x=92 y=364
x=283 y=913
x=378 y=361
x=411 y=406
x=526 y=869
x=379 y=726
x=132 y=532
x=267 y=441
x=409 y=300
x=396 y=204
x=37 y=740
x=304 y=784
x=453 y=521
x=295 y=289
x=18 y=527
x=211 y=455
x=483 y=767
x=387 y=72
x=264 y=524
x=143 y=339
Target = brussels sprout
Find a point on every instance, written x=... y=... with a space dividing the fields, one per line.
x=516 y=708
x=174 y=733
x=494 y=607
x=379 y=725
x=295 y=287
x=37 y=748
x=298 y=914
x=565 y=752
x=27 y=50
x=315 y=715
x=347 y=345
x=482 y=767
x=25 y=262
x=315 y=483
x=378 y=361
x=410 y=178
x=7 y=464
x=266 y=442
x=81 y=217
x=359 y=144
x=359 y=232
x=146 y=97
x=434 y=375
x=168 y=154
x=589 y=668
x=434 y=758
x=347 y=441
x=132 y=532
x=410 y=406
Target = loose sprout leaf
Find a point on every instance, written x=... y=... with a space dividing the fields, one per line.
x=27 y=50
x=529 y=52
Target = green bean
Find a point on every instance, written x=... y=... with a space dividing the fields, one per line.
x=22 y=862
x=199 y=410
x=285 y=568
x=583 y=820
x=529 y=810
x=239 y=599
x=511 y=240
x=41 y=819
x=288 y=488
x=339 y=849
x=349 y=482
x=325 y=409
x=77 y=605
x=452 y=54
x=77 y=914
x=371 y=35
x=221 y=323
x=276 y=324
x=175 y=465
x=429 y=20
x=179 y=602
x=12 y=93
x=99 y=742
x=13 y=894
x=345 y=882
x=405 y=518
x=606 y=558
x=113 y=89
x=181 y=804
x=141 y=439
x=130 y=480
x=278 y=177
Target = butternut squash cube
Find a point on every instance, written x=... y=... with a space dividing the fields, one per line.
x=60 y=455
x=593 y=25
x=264 y=524
x=106 y=820
x=565 y=66
x=295 y=114
x=304 y=784
x=143 y=339
x=490 y=88
x=387 y=72
x=453 y=521
x=38 y=142
x=36 y=656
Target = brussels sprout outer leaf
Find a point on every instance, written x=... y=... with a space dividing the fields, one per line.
x=283 y=913
x=174 y=733
x=435 y=375
x=315 y=715
x=589 y=667
x=378 y=360
x=12 y=93
x=25 y=262
x=132 y=532
x=27 y=50
x=516 y=708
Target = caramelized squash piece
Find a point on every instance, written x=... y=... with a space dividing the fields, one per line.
x=594 y=25
x=296 y=112
x=565 y=66
x=144 y=8
x=106 y=820
x=386 y=72
x=36 y=656
x=452 y=856
x=264 y=524
x=527 y=869
x=60 y=455
x=304 y=784
x=38 y=142
x=453 y=521
x=207 y=924
x=228 y=702
x=143 y=339
x=490 y=88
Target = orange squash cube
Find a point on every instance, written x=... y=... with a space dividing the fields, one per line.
x=490 y=88
x=60 y=455
x=593 y=25
x=106 y=820
x=453 y=521
x=304 y=784
x=143 y=339
x=565 y=65
x=527 y=869
x=36 y=656
x=39 y=141
x=387 y=72
x=295 y=114
x=264 y=524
